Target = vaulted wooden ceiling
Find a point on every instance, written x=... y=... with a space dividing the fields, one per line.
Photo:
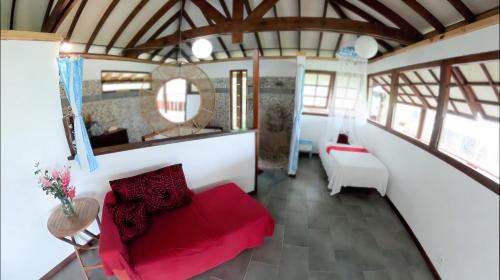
x=163 y=30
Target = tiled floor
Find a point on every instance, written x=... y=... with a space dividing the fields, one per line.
x=353 y=235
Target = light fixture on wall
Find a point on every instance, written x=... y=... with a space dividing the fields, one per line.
x=202 y=48
x=366 y=47
x=65 y=47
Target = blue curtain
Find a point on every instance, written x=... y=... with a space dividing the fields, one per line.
x=71 y=74
x=293 y=158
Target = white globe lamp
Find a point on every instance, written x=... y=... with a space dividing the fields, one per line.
x=366 y=47
x=202 y=48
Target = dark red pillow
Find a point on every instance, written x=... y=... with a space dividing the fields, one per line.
x=343 y=139
x=162 y=189
x=130 y=217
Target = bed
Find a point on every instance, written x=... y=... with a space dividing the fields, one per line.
x=353 y=166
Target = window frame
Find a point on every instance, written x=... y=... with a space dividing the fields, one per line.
x=149 y=75
x=441 y=110
x=330 y=93
x=241 y=124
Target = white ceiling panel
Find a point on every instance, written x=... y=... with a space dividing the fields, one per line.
x=408 y=14
x=89 y=19
x=442 y=10
x=28 y=14
x=172 y=28
x=484 y=93
x=114 y=21
x=309 y=40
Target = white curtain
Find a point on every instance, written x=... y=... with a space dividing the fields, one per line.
x=347 y=109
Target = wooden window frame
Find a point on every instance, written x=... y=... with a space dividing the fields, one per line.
x=124 y=71
x=441 y=111
x=330 y=92
x=231 y=97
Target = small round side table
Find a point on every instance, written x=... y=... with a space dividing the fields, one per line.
x=62 y=227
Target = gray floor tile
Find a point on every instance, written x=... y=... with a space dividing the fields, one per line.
x=376 y=275
x=234 y=269
x=323 y=275
x=261 y=271
x=296 y=235
x=294 y=263
x=270 y=251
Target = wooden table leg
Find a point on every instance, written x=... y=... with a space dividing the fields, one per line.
x=87 y=232
x=77 y=252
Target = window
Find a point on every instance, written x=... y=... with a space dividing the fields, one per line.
x=450 y=108
x=116 y=81
x=238 y=99
x=416 y=102
x=379 y=89
x=347 y=87
x=318 y=87
x=470 y=132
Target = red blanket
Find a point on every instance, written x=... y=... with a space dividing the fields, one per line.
x=218 y=225
x=346 y=149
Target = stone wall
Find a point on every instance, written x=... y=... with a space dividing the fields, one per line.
x=276 y=112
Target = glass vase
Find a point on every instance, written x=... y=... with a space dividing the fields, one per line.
x=67 y=207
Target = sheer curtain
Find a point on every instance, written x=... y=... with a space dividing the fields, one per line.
x=293 y=158
x=71 y=74
x=347 y=109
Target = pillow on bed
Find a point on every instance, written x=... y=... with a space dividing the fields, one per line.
x=162 y=189
x=343 y=139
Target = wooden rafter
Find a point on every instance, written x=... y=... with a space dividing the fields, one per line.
x=12 y=14
x=192 y=25
x=237 y=37
x=162 y=11
x=283 y=24
x=162 y=28
x=125 y=23
x=261 y=9
x=391 y=15
x=47 y=10
x=76 y=18
x=179 y=28
x=424 y=13
x=366 y=16
x=228 y=15
x=490 y=80
x=463 y=10
x=436 y=79
x=325 y=6
x=101 y=22
x=341 y=14
x=256 y=34
x=277 y=32
x=55 y=15
x=299 y=8
x=209 y=11
x=65 y=14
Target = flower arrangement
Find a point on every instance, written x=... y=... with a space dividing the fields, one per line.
x=57 y=183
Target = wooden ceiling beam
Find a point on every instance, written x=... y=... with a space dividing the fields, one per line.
x=55 y=15
x=237 y=37
x=65 y=14
x=490 y=80
x=192 y=25
x=256 y=34
x=76 y=18
x=47 y=11
x=325 y=6
x=228 y=15
x=125 y=23
x=282 y=24
x=179 y=29
x=424 y=13
x=298 y=31
x=162 y=11
x=366 y=16
x=463 y=10
x=162 y=28
x=209 y=11
x=261 y=9
x=101 y=22
x=277 y=32
x=12 y=14
x=437 y=81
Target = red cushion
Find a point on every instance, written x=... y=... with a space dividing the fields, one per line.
x=343 y=139
x=218 y=225
x=130 y=217
x=161 y=189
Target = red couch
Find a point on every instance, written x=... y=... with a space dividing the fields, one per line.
x=217 y=225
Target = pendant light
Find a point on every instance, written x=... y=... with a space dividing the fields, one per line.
x=202 y=48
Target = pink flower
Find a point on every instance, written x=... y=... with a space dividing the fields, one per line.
x=45 y=182
x=55 y=174
x=71 y=193
x=66 y=178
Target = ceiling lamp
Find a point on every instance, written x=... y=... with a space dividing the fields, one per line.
x=65 y=47
x=202 y=48
x=366 y=47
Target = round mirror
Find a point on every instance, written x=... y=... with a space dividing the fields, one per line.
x=178 y=100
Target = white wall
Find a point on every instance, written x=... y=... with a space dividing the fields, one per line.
x=313 y=128
x=32 y=130
x=454 y=217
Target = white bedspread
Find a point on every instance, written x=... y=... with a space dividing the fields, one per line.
x=353 y=169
